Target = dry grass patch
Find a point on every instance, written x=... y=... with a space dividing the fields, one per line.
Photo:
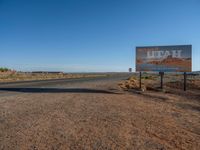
x=18 y=76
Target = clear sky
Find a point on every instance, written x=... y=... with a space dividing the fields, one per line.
x=92 y=35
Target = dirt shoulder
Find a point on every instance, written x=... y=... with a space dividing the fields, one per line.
x=100 y=115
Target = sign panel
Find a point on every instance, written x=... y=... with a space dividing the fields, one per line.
x=164 y=58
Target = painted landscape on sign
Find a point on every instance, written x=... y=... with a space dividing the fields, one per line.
x=164 y=58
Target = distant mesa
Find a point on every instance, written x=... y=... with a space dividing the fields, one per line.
x=139 y=61
x=185 y=62
x=48 y=72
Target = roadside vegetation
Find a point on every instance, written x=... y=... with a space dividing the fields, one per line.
x=3 y=69
x=8 y=75
x=152 y=82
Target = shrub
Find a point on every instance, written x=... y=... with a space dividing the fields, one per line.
x=3 y=69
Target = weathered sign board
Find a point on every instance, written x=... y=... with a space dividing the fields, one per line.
x=164 y=58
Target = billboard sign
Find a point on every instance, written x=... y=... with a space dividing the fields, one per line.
x=164 y=58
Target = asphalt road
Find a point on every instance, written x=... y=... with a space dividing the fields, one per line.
x=57 y=85
x=109 y=77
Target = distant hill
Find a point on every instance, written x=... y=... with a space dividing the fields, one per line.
x=184 y=63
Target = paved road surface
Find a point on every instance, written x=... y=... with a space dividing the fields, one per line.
x=57 y=85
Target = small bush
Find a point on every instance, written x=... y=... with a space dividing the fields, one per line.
x=3 y=69
x=146 y=77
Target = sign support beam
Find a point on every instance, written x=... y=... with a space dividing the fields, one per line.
x=161 y=79
x=185 y=81
x=140 y=80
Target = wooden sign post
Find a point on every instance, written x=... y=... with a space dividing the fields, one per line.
x=140 y=80
x=161 y=79
x=185 y=81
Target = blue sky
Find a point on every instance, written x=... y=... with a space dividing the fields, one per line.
x=92 y=35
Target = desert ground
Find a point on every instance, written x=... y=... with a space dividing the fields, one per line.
x=12 y=76
x=104 y=113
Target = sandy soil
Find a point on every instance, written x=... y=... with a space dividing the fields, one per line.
x=104 y=117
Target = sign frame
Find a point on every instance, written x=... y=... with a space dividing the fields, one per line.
x=171 y=58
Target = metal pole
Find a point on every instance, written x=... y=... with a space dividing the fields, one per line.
x=161 y=79
x=140 y=80
x=185 y=81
